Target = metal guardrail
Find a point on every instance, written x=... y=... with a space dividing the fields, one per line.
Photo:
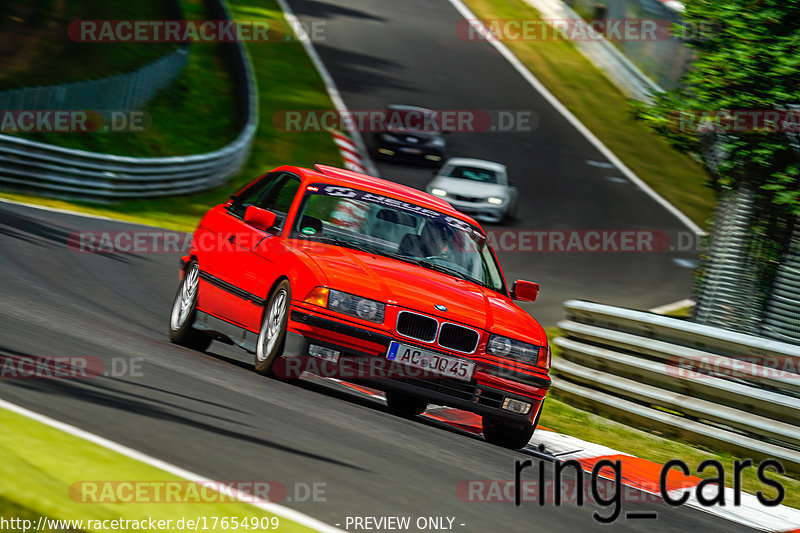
x=41 y=167
x=121 y=92
x=703 y=383
x=781 y=316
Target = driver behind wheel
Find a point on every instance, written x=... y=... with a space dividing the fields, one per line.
x=433 y=239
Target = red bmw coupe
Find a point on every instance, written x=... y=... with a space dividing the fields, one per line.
x=389 y=282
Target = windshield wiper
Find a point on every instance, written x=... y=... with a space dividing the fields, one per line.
x=445 y=270
x=430 y=266
x=341 y=242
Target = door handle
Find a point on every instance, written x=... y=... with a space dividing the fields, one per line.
x=232 y=239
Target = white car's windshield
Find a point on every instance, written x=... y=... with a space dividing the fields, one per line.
x=401 y=230
x=473 y=173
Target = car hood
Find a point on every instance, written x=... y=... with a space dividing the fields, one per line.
x=413 y=287
x=469 y=187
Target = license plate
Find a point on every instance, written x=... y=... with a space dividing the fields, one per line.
x=409 y=150
x=446 y=366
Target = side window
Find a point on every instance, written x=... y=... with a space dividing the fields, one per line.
x=275 y=192
x=251 y=195
x=280 y=198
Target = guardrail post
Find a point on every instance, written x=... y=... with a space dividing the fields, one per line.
x=729 y=296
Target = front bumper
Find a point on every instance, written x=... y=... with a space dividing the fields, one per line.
x=359 y=347
x=482 y=211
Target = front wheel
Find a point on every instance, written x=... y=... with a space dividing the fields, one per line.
x=183 y=312
x=404 y=405
x=507 y=434
x=269 y=346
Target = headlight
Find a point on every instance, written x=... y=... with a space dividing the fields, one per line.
x=352 y=305
x=494 y=200
x=437 y=142
x=439 y=192
x=505 y=347
x=390 y=138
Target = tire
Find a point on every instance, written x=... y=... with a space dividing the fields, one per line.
x=507 y=434
x=513 y=435
x=272 y=335
x=405 y=406
x=184 y=309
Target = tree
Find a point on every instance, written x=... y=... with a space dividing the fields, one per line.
x=747 y=59
x=738 y=108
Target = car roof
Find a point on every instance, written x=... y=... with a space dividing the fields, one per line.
x=480 y=163
x=349 y=178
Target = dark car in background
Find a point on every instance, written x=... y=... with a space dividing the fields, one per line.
x=410 y=133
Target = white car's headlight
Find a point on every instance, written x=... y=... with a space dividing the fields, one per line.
x=495 y=200
x=353 y=305
x=439 y=192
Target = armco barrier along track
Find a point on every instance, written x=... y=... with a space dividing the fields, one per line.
x=735 y=391
x=41 y=167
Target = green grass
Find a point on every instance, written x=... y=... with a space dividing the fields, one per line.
x=683 y=312
x=286 y=80
x=599 y=105
x=196 y=113
x=35 y=481
x=37 y=50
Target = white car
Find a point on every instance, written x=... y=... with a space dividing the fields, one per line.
x=477 y=188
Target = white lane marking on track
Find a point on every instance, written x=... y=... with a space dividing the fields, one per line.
x=685 y=263
x=750 y=513
x=273 y=508
x=75 y=213
x=567 y=447
x=599 y=164
x=330 y=85
x=577 y=124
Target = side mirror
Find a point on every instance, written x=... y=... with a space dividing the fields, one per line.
x=525 y=291
x=260 y=218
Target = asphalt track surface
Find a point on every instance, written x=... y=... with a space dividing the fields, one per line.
x=383 y=52
x=211 y=414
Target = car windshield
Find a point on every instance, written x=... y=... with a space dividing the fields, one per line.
x=420 y=122
x=473 y=173
x=401 y=230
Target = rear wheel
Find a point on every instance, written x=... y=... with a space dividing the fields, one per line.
x=269 y=346
x=404 y=405
x=183 y=312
